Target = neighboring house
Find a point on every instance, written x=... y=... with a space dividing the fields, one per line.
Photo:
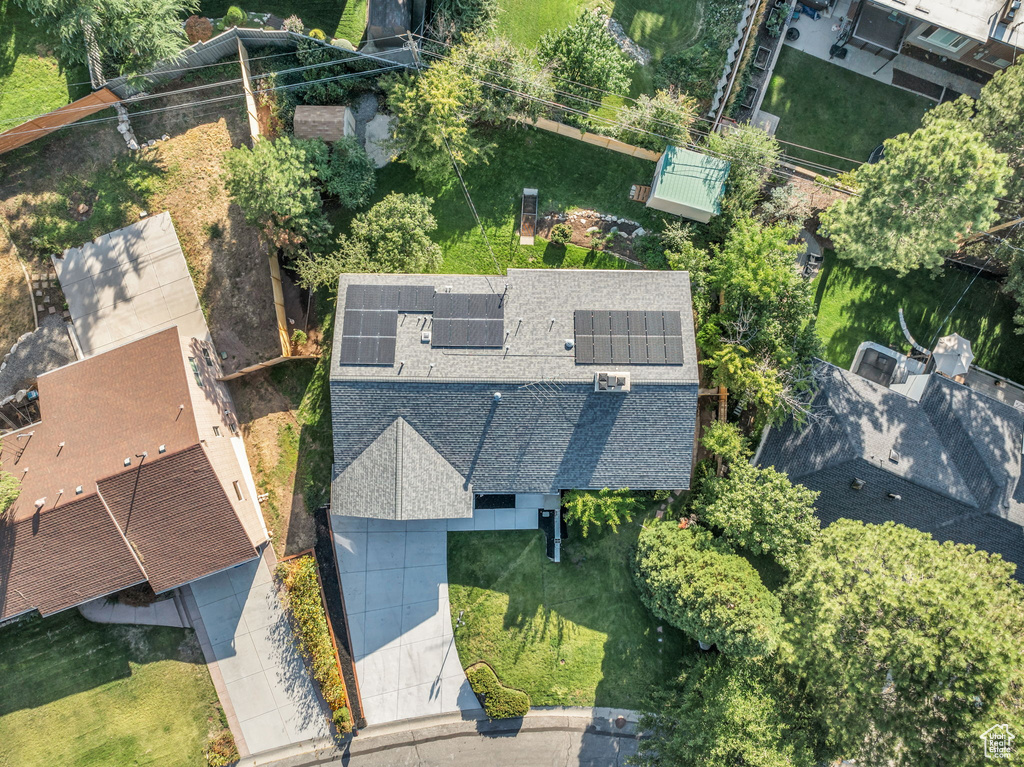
x=983 y=34
x=451 y=392
x=947 y=462
x=689 y=184
x=389 y=22
x=131 y=475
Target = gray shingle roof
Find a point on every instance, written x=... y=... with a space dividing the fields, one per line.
x=958 y=468
x=550 y=430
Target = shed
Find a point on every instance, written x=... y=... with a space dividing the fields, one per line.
x=327 y=123
x=689 y=184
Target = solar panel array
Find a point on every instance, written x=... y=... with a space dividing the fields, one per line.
x=468 y=320
x=370 y=324
x=628 y=337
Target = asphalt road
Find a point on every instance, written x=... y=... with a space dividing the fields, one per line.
x=560 y=738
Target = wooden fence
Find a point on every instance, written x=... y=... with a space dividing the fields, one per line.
x=46 y=124
x=250 y=98
x=594 y=138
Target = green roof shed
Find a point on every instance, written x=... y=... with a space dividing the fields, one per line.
x=689 y=184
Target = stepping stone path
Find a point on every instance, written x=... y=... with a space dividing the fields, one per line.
x=47 y=293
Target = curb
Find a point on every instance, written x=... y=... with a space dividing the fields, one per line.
x=471 y=723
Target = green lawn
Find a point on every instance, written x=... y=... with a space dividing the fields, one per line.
x=826 y=107
x=857 y=305
x=567 y=634
x=337 y=18
x=567 y=174
x=81 y=694
x=31 y=81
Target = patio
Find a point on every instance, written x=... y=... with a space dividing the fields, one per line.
x=817 y=37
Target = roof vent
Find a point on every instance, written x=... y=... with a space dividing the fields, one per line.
x=127 y=461
x=611 y=382
x=569 y=343
x=857 y=484
x=497 y=396
x=162 y=449
x=895 y=497
x=78 y=490
x=894 y=456
x=40 y=503
x=425 y=337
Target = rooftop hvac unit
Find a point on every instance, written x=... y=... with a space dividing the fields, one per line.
x=611 y=382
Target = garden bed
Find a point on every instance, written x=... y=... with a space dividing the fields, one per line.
x=304 y=597
x=591 y=229
x=759 y=60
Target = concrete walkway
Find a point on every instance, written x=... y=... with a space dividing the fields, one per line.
x=561 y=737
x=394 y=576
x=270 y=692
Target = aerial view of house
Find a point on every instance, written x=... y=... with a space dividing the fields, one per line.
x=435 y=382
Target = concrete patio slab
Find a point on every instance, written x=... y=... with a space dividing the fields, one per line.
x=394 y=577
x=271 y=693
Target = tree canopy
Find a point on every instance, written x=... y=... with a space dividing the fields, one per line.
x=132 y=35
x=342 y=170
x=753 y=155
x=10 y=489
x=600 y=508
x=666 y=113
x=712 y=595
x=910 y=648
x=392 y=236
x=933 y=188
x=273 y=185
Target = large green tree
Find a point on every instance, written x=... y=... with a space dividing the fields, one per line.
x=933 y=188
x=600 y=508
x=712 y=595
x=131 y=35
x=273 y=184
x=760 y=510
x=343 y=169
x=761 y=342
x=585 y=54
x=392 y=236
x=517 y=86
x=666 y=113
x=725 y=712
x=909 y=648
x=753 y=155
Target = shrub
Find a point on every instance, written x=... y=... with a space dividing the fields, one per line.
x=317 y=34
x=294 y=24
x=342 y=720
x=588 y=508
x=465 y=15
x=198 y=29
x=221 y=750
x=500 y=702
x=234 y=17
x=303 y=600
x=299 y=337
x=561 y=234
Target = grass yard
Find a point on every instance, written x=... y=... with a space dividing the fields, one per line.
x=82 y=694
x=826 y=107
x=346 y=18
x=856 y=305
x=567 y=173
x=31 y=80
x=567 y=634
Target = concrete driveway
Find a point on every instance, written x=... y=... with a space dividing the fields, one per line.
x=394 y=576
x=269 y=690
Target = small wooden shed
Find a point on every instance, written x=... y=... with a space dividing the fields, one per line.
x=689 y=184
x=327 y=123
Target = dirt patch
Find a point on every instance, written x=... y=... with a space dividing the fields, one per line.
x=591 y=229
x=15 y=301
x=271 y=432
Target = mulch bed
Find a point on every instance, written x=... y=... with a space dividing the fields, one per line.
x=584 y=222
x=916 y=84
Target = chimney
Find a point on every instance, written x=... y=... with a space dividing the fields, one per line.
x=611 y=382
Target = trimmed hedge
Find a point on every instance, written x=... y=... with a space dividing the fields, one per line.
x=299 y=577
x=500 y=702
x=234 y=17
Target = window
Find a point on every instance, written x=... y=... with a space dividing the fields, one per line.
x=216 y=431
x=195 y=370
x=947 y=39
x=238 y=490
x=207 y=357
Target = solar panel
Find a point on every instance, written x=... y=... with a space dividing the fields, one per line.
x=628 y=337
x=416 y=298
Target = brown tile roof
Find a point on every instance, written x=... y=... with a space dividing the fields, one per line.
x=104 y=409
x=62 y=558
x=174 y=512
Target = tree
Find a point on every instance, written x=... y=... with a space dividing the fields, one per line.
x=601 y=508
x=585 y=54
x=433 y=112
x=725 y=712
x=910 y=648
x=667 y=113
x=519 y=86
x=761 y=343
x=273 y=185
x=753 y=155
x=683 y=255
x=760 y=510
x=131 y=35
x=933 y=188
x=10 y=489
x=725 y=439
x=392 y=236
x=343 y=170
x=198 y=29
x=716 y=597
